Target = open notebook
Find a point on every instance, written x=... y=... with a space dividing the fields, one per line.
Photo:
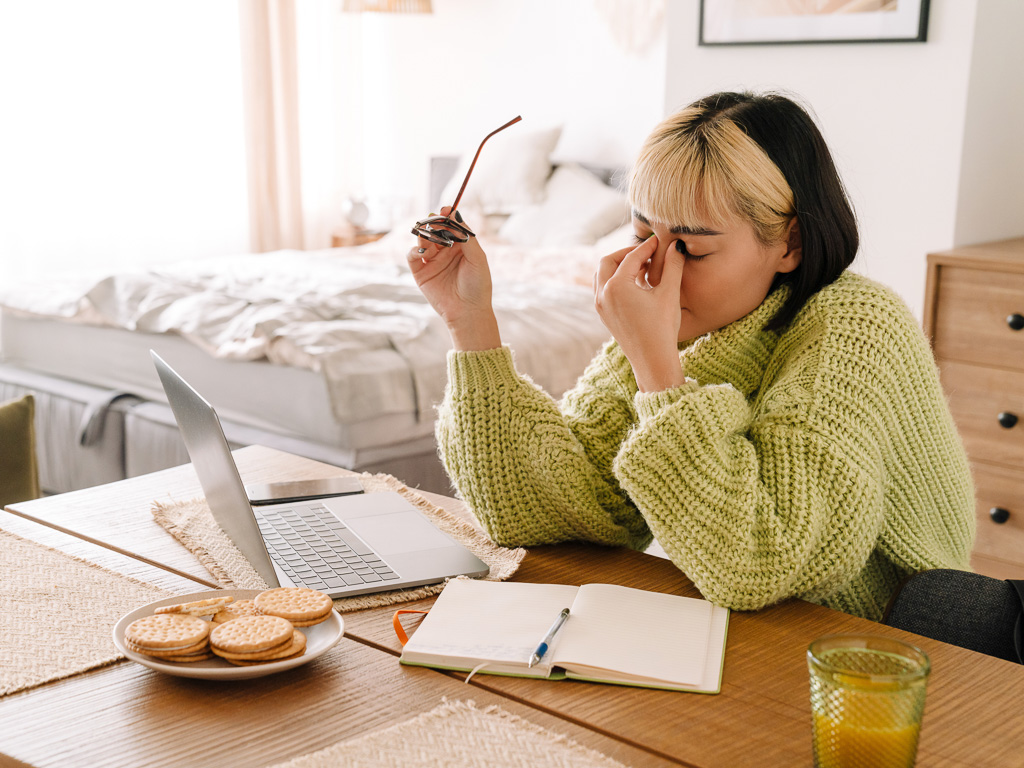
x=613 y=634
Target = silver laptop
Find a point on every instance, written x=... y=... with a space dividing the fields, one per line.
x=343 y=545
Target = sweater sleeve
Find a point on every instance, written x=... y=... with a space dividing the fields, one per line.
x=534 y=471
x=753 y=506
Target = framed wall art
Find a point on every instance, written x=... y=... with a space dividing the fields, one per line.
x=771 y=22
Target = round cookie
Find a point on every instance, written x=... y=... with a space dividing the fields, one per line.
x=303 y=607
x=203 y=645
x=206 y=607
x=295 y=647
x=200 y=654
x=235 y=611
x=251 y=634
x=190 y=658
x=166 y=630
x=247 y=663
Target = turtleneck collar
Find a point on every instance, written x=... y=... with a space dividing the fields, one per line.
x=738 y=353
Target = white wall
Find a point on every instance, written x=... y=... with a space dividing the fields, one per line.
x=991 y=195
x=437 y=84
x=926 y=135
x=893 y=114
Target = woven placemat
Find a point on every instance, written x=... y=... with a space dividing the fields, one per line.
x=191 y=523
x=458 y=733
x=58 y=612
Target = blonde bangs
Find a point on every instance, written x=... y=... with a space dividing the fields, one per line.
x=701 y=175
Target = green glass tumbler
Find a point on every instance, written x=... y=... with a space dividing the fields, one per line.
x=867 y=701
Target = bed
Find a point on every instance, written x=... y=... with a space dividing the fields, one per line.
x=329 y=354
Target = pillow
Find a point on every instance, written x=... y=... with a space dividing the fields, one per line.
x=510 y=174
x=624 y=236
x=19 y=472
x=579 y=209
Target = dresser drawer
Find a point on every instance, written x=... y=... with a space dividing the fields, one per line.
x=978 y=396
x=971 y=321
x=1000 y=489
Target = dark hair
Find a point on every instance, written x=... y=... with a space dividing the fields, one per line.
x=791 y=140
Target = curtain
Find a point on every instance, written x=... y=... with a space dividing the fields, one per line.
x=270 y=82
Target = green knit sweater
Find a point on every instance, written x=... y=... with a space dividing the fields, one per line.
x=820 y=462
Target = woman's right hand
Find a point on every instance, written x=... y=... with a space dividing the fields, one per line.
x=457 y=282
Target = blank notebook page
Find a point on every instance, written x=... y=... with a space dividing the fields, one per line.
x=502 y=624
x=642 y=634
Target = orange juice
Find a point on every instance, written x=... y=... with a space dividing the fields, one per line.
x=846 y=744
x=860 y=722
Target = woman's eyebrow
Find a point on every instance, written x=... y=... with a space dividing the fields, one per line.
x=679 y=230
x=695 y=231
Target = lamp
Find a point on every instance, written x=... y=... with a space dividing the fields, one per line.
x=387 y=6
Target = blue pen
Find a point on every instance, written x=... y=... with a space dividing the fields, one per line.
x=543 y=647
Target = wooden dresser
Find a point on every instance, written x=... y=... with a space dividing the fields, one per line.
x=974 y=315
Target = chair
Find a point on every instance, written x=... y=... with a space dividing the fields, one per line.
x=961 y=608
x=19 y=470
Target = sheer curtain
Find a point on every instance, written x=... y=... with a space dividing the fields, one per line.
x=121 y=134
x=323 y=115
x=288 y=71
x=271 y=85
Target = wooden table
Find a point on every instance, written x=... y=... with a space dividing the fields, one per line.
x=129 y=715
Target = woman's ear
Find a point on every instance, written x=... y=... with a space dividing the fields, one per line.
x=790 y=260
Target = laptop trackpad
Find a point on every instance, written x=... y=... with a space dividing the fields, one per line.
x=400 y=532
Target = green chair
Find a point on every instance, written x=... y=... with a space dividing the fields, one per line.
x=19 y=469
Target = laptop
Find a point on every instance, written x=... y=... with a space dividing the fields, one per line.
x=350 y=544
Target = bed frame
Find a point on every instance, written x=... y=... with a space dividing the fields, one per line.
x=87 y=435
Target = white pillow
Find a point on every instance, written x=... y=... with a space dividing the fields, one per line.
x=579 y=209
x=513 y=168
x=620 y=238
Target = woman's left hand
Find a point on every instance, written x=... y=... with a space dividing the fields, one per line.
x=636 y=292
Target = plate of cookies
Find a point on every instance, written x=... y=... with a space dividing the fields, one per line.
x=230 y=634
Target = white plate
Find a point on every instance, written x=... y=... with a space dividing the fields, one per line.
x=320 y=638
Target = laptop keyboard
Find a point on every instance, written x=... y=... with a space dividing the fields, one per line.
x=315 y=549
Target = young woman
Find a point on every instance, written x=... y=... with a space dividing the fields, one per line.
x=774 y=421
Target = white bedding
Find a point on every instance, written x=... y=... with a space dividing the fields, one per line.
x=354 y=315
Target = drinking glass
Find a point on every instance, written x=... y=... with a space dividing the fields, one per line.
x=867 y=700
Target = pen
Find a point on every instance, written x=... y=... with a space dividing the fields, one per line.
x=543 y=647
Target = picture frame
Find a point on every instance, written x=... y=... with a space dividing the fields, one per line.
x=775 y=22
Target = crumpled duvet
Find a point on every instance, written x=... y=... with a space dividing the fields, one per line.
x=356 y=317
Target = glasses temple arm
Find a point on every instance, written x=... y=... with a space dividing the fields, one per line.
x=472 y=165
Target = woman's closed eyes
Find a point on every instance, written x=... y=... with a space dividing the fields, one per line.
x=679 y=246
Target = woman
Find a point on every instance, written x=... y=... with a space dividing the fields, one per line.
x=773 y=420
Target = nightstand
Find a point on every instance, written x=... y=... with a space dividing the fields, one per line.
x=347 y=235
x=974 y=314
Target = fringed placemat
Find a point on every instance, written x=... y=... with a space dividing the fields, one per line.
x=458 y=733
x=58 y=612
x=191 y=523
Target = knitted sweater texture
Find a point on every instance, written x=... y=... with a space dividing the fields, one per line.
x=819 y=462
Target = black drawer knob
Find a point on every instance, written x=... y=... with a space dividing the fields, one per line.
x=999 y=515
x=1007 y=420
x=1015 y=321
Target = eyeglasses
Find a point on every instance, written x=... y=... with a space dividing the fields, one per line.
x=447 y=230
